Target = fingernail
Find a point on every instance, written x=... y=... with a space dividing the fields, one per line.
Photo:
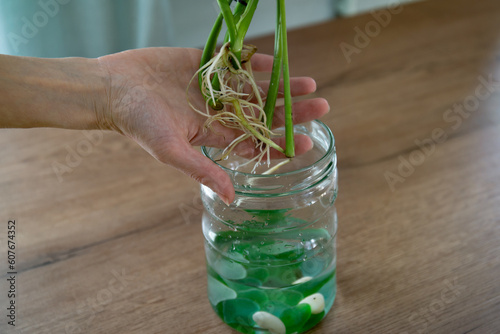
x=215 y=189
x=225 y=200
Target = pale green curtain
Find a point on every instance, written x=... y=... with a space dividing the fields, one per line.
x=91 y=28
x=85 y=28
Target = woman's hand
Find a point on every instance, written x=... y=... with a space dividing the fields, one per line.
x=145 y=100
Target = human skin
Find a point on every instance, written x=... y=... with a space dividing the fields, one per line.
x=140 y=94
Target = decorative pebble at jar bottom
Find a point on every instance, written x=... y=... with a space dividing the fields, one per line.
x=271 y=254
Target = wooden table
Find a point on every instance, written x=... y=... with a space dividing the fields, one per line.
x=115 y=244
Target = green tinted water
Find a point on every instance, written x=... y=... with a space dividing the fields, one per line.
x=249 y=272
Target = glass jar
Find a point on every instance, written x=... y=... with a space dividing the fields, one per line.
x=271 y=255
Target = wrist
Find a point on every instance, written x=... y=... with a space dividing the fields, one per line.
x=82 y=94
x=61 y=93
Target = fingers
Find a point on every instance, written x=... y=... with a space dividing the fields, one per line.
x=299 y=86
x=262 y=62
x=247 y=148
x=303 y=111
x=193 y=163
x=303 y=144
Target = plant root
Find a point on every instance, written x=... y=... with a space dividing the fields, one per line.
x=243 y=106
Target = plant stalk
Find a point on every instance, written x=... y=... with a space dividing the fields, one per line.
x=289 y=135
x=208 y=53
x=242 y=27
x=238 y=11
x=274 y=83
x=229 y=18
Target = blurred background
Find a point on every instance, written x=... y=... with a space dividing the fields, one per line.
x=92 y=28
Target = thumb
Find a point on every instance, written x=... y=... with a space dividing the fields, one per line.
x=192 y=162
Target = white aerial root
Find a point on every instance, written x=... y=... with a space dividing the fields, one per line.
x=241 y=110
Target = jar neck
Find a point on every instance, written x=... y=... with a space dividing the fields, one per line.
x=312 y=169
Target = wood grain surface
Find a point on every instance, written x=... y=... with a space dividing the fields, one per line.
x=114 y=245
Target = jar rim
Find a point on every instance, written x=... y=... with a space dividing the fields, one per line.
x=328 y=152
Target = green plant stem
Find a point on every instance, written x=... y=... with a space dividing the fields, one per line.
x=238 y=11
x=289 y=135
x=244 y=24
x=229 y=18
x=239 y=113
x=209 y=50
x=237 y=27
x=208 y=53
x=274 y=83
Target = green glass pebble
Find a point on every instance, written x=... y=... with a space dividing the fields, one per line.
x=313 y=320
x=218 y=292
x=274 y=282
x=218 y=309
x=281 y=276
x=225 y=236
x=229 y=269
x=313 y=286
x=237 y=256
x=292 y=297
x=258 y=273
x=256 y=252
x=250 y=281
x=213 y=273
x=289 y=297
x=242 y=249
x=282 y=251
x=313 y=267
x=329 y=289
x=239 y=311
x=210 y=255
x=296 y=317
x=275 y=307
x=255 y=295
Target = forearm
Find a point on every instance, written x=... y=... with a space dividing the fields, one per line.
x=60 y=93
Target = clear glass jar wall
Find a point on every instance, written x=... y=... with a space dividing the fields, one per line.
x=271 y=255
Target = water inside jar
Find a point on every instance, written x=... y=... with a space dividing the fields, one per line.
x=250 y=273
x=242 y=164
